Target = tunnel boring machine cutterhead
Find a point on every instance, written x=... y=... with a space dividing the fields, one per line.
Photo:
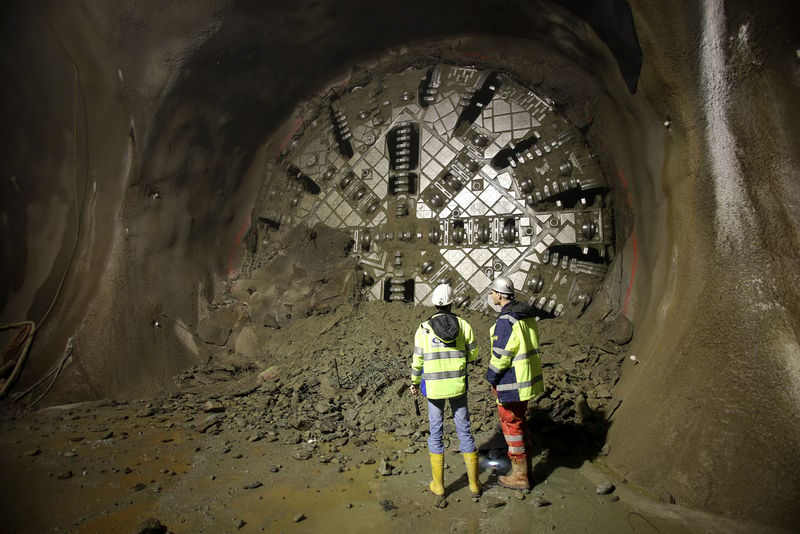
x=448 y=174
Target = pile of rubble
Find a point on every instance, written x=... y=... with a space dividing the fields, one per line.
x=343 y=377
x=296 y=355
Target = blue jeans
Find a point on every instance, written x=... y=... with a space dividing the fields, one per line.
x=461 y=418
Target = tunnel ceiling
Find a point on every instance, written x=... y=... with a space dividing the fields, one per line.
x=448 y=174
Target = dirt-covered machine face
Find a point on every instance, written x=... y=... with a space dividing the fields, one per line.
x=449 y=174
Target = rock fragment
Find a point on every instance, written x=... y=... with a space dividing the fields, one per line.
x=604 y=488
x=385 y=469
x=268 y=375
x=493 y=502
x=212 y=406
x=538 y=502
x=620 y=331
x=210 y=421
x=301 y=454
x=269 y=387
x=292 y=438
x=247 y=342
x=216 y=328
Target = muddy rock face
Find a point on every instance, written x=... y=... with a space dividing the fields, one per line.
x=140 y=143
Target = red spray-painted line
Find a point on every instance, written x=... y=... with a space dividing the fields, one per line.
x=622 y=179
x=625 y=188
x=237 y=243
x=635 y=261
x=297 y=123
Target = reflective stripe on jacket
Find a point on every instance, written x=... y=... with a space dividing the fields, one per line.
x=440 y=365
x=515 y=368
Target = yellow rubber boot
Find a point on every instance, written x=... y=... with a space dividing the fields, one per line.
x=471 y=461
x=437 y=468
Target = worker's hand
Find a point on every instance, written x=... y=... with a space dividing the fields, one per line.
x=414 y=390
x=494 y=391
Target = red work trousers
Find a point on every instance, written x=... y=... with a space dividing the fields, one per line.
x=512 y=419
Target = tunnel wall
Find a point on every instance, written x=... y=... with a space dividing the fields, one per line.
x=67 y=154
x=158 y=123
x=95 y=246
x=710 y=415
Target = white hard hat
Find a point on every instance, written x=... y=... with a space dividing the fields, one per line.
x=442 y=295
x=502 y=284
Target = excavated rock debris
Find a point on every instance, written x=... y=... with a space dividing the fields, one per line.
x=344 y=376
x=300 y=357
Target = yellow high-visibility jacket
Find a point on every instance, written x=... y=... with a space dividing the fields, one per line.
x=443 y=345
x=515 y=368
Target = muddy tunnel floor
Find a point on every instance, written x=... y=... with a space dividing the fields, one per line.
x=320 y=433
